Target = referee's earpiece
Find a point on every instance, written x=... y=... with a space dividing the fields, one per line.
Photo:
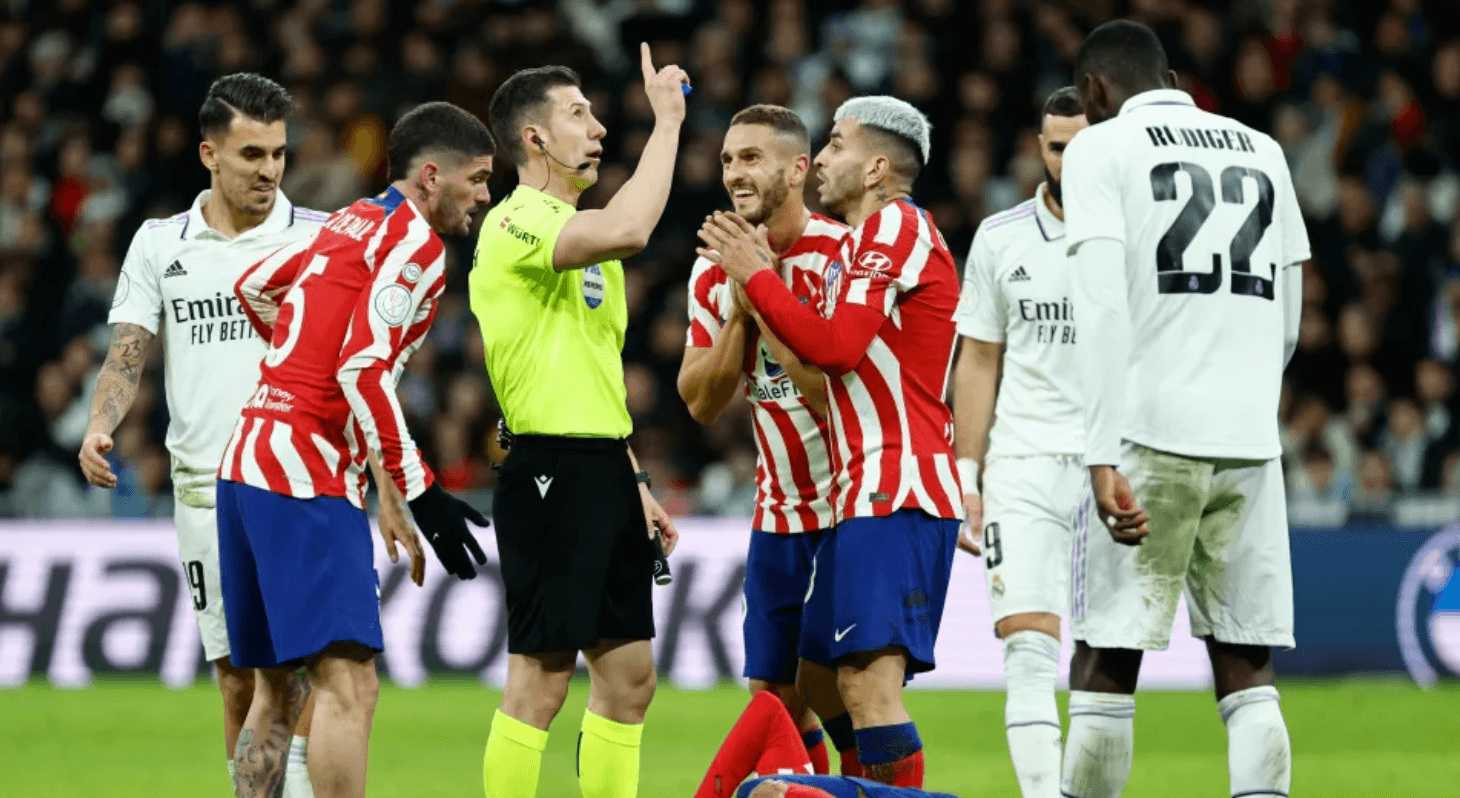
x=580 y=167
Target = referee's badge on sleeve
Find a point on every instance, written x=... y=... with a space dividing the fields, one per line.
x=593 y=285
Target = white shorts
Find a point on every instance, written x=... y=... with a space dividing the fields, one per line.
x=1219 y=531
x=1031 y=507
x=197 y=546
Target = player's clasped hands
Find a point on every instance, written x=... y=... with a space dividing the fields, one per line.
x=739 y=247
x=665 y=87
x=442 y=519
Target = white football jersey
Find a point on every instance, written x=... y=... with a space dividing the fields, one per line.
x=1206 y=210
x=1016 y=291
x=178 y=278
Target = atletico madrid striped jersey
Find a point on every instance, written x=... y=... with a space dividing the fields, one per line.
x=884 y=337
x=341 y=313
x=793 y=468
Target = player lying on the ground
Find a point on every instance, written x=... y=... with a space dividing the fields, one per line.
x=764 y=743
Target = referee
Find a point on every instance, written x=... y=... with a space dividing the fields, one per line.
x=574 y=529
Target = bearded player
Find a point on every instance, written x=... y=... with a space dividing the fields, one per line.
x=178 y=279
x=342 y=314
x=764 y=163
x=884 y=337
x=1019 y=345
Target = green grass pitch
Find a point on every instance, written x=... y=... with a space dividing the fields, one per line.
x=1364 y=739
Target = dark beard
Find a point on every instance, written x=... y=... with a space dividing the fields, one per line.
x=1052 y=185
x=772 y=200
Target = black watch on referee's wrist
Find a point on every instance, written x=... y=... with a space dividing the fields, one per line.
x=642 y=477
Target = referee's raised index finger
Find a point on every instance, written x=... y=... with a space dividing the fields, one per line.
x=645 y=62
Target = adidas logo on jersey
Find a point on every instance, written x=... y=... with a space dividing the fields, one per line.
x=1019 y=275
x=175 y=270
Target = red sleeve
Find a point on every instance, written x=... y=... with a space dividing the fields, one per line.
x=389 y=315
x=835 y=345
x=262 y=286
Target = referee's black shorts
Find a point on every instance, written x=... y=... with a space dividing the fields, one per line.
x=576 y=557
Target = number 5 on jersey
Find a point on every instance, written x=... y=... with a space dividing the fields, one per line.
x=291 y=314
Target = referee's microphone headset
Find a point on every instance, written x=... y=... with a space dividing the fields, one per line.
x=580 y=167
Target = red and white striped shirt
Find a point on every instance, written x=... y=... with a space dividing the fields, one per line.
x=357 y=300
x=885 y=339
x=793 y=477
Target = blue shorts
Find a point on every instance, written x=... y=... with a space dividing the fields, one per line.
x=298 y=575
x=843 y=787
x=777 y=573
x=879 y=582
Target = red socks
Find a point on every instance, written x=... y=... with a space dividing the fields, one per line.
x=851 y=766
x=815 y=742
x=764 y=740
x=905 y=772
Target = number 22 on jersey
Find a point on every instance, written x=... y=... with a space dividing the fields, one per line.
x=1171 y=249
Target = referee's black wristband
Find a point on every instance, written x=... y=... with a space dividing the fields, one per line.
x=642 y=477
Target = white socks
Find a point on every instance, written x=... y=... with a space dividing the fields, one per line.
x=1098 y=751
x=1259 y=756
x=296 y=771
x=1031 y=717
x=232 y=772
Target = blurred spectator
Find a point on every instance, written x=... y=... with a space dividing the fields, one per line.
x=322 y=176
x=97 y=104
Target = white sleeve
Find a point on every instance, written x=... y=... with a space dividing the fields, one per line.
x=138 y=298
x=1292 y=308
x=1290 y=219
x=1101 y=310
x=1092 y=190
x=981 y=313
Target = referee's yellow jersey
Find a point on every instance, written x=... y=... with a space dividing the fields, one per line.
x=554 y=340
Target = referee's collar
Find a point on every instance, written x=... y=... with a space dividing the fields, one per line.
x=1157 y=97
x=556 y=203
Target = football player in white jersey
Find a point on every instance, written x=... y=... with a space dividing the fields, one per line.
x=178 y=278
x=1015 y=309
x=1188 y=244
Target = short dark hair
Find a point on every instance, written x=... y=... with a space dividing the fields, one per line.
x=902 y=152
x=435 y=127
x=782 y=120
x=1063 y=102
x=523 y=95
x=242 y=94
x=1125 y=53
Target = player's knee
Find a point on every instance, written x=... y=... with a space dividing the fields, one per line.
x=1044 y=622
x=237 y=686
x=272 y=685
x=367 y=687
x=1239 y=667
x=1105 y=670
x=639 y=681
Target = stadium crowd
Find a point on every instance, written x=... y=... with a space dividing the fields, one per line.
x=98 y=132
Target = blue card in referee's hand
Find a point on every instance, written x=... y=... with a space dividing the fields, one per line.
x=662 y=576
